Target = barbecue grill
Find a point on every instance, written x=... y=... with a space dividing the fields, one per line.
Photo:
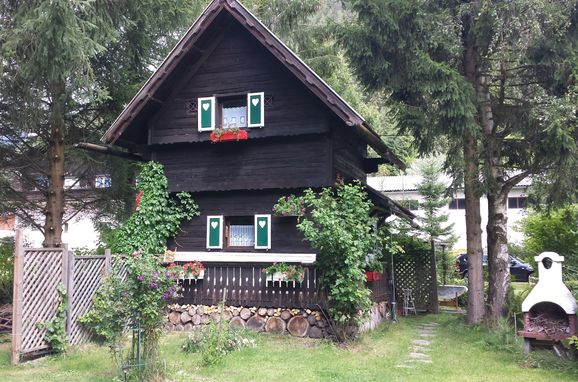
x=550 y=309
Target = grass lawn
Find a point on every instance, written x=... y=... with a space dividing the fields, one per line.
x=459 y=353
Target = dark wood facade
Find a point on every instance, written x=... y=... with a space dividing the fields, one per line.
x=309 y=138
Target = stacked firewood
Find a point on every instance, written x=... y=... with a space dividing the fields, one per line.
x=5 y=318
x=548 y=324
x=297 y=322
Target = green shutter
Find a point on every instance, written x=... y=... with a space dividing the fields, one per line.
x=206 y=113
x=215 y=232
x=256 y=109
x=262 y=231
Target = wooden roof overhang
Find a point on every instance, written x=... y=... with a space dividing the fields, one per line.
x=150 y=96
x=385 y=207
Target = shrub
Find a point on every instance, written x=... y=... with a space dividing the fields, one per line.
x=6 y=269
x=141 y=298
x=215 y=341
x=337 y=222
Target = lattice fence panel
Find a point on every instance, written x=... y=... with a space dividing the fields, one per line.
x=87 y=275
x=416 y=271
x=38 y=297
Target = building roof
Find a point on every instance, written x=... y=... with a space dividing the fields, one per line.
x=150 y=93
x=410 y=182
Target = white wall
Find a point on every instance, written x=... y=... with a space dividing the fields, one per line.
x=457 y=217
x=80 y=233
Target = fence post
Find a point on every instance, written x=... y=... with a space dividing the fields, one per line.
x=107 y=261
x=17 y=297
x=69 y=285
x=434 y=284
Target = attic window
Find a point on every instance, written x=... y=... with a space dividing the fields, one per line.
x=233 y=112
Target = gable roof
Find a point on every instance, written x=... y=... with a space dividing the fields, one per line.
x=147 y=94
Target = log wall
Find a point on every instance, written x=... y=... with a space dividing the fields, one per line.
x=285 y=238
x=238 y=64
x=247 y=165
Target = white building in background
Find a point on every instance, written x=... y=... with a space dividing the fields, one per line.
x=79 y=232
x=404 y=190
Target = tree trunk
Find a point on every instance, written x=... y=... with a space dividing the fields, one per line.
x=471 y=189
x=498 y=262
x=498 y=259
x=473 y=232
x=55 y=193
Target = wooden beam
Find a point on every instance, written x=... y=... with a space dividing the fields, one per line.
x=109 y=151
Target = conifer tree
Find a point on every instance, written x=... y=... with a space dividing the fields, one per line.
x=496 y=80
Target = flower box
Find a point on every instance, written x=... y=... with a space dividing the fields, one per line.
x=277 y=276
x=231 y=135
x=373 y=276
x=189 y=276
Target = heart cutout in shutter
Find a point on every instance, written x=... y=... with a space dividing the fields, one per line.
x=262 y=223
x=214 y=224
x=255 y=101
x=206 y=106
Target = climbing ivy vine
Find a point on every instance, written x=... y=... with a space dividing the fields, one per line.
x=158 y=216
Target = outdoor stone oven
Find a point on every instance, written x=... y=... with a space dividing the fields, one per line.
x=550 y=308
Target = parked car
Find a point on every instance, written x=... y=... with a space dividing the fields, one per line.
x=519 y=270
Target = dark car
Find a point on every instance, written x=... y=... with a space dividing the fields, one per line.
x=519 y=270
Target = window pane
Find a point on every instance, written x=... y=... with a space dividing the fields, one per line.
x=462 y=204
x=242 y=235
x=512 y=202
x=234 y=113
x=522 y=202
x=453 y=205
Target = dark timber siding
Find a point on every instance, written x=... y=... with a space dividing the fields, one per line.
x=239 y=65
x=263 y=163
x=285 y=238
x=348 y=154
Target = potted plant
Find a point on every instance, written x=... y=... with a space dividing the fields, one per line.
x=194 y=270
x=232 y=134
x=373 y=271
x=283 y=272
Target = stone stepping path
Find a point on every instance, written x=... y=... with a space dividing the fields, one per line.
x=419 y=349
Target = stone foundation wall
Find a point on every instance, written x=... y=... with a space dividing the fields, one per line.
x=296 y=322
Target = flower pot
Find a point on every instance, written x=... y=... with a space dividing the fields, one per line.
x=277 y=276
x=239 y=135
x=373 y=276
x=368 y=276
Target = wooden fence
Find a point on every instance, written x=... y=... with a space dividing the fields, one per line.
x=417 y=271
x=37 y=274
x=247 y=285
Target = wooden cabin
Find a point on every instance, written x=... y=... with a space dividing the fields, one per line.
x=288 y=131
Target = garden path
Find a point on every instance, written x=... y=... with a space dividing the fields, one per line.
x=419 y=349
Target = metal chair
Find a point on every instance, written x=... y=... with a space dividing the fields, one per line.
x=408 y=302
